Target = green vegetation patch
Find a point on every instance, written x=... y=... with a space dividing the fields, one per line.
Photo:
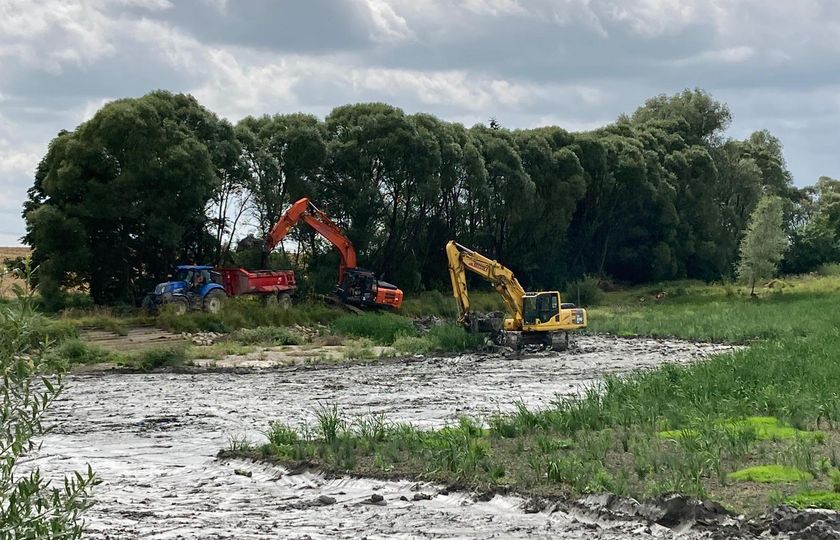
x=75 y=351
x=266 y=335
x=770 y=474
x=441 y=338
x=763 y=428
x=827 y=500
x=383 y=328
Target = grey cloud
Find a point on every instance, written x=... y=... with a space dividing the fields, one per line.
x=310 y=26
x=573 y=62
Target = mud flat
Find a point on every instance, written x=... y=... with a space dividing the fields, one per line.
x=153 y=439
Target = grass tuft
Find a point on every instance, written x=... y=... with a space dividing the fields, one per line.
x=382 y=328
x=828 y=500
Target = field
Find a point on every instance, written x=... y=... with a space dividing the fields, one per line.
x=6 y=254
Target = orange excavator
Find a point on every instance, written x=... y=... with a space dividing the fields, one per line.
x=356 y=286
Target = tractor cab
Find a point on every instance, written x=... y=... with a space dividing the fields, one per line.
x=189 y=288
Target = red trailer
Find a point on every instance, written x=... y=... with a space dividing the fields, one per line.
x=275 y=286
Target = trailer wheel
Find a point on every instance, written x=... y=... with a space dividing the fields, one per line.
x=284 y=300
x=214 y=300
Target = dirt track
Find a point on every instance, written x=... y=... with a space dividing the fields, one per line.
x=153 y=438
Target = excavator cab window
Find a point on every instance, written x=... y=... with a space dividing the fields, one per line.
x=540 y=307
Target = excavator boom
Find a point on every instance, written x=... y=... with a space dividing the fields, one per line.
x=304 y=210
x=502 y=279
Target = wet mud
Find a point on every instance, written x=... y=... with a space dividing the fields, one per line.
x=153 y=439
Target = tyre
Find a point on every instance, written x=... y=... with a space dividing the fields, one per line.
x=214 y=300
x=180 y=305
x=149 y=306
x=284 y=300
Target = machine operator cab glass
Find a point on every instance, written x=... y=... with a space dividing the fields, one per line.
x=358 y=284
x=194 y=278
x=541 y=307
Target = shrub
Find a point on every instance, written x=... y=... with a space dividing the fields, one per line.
x=159 y=357
x=76 y=351
x=32 y=381
x=266 y=335
x=584 y=292
x=382 y=328
x=829 y=269
x=452 y=338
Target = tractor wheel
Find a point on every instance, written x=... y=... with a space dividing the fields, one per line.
x=180 y=305
x=149 y=306
x=214 y=300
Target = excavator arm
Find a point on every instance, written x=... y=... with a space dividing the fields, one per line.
x=304 y=210
x=502 y=279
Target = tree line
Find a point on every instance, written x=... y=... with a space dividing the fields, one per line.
x=659 y=194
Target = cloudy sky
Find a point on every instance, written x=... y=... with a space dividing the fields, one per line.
x=573 y=63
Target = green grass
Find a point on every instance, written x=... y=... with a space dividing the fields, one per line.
x=827 y=500
x=721 y=312
x=266 y=335
x=440 y=338
x=75 y=351
x=770 y=474
x=383 y=328
x=762 y=428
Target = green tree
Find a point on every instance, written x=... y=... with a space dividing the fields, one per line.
x=764 y=243
x=283 y=156
x=122 y=198
x=29 y=506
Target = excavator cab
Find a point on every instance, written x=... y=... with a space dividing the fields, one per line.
x=541 y=307
x=360 y=287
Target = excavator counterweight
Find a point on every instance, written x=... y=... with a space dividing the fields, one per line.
x=536 y=318
x=356 y=286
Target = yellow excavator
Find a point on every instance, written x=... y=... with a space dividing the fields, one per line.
x=538 y=318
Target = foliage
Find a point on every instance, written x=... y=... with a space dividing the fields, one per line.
x=266 y=335
x=117 y=202
x=659 y=194
x=764 y=242
x=441 y=338
x=827 y=500
x=584 y=292
x=246 y=312
x=32 y=381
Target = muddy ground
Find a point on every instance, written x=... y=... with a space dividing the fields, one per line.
x=152 y=438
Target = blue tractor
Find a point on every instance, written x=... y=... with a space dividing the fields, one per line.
x=192 y=287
